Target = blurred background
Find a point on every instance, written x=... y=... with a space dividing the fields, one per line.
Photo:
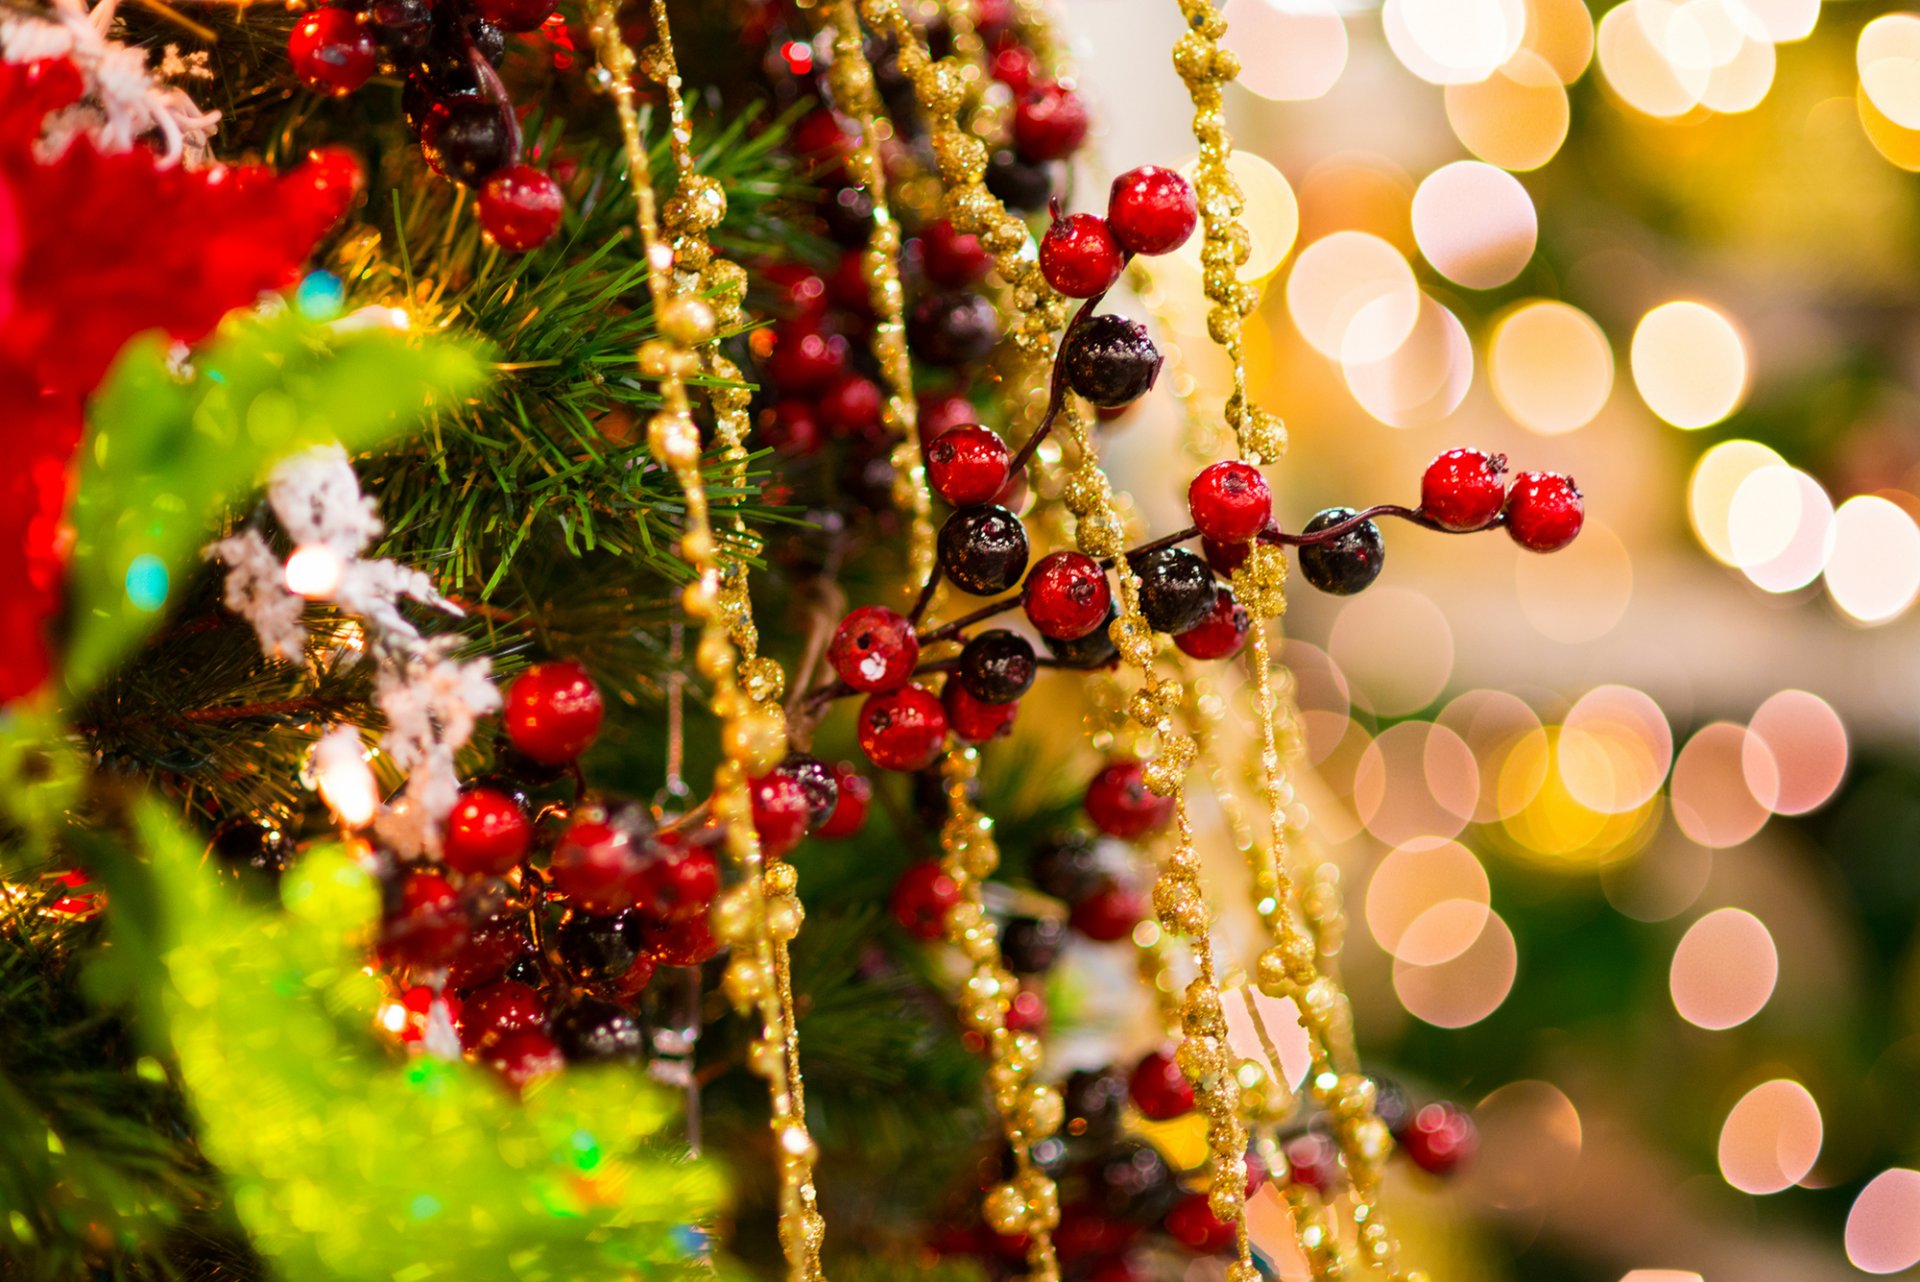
x=1628 y=833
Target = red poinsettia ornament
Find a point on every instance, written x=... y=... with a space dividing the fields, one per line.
x=97 y=246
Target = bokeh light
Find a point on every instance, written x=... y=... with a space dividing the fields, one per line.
x=1780 y=528
x=1423 y=380
x=1771 y=1138
x=1554 y=828
x=1717 y=477
x=1516 y=118
x=1550 y=366
x=1415 y=780
x=1395 y=647
x=1664 y=881
x=1888 y=59
x=1560 y=32
x=1530 y=1142
x=1614 y=749
x=1798 y=745
x=1783 y=21
x=1634 y=40
x=1352 y=297
x=1724 y=969
x=1288 y=52
x=1883 y=1228
x=1713 y=792
x=1581 y=592
x=1475 y=224
x=1466 y=988
x=1689 y=362
x=1742 y=81
x=1873 y=573
x=1450 y=42
x=1270 y=212
x=1493 y=724
x=1410 y=882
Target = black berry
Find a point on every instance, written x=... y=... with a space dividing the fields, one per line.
x=1024 y=188
x=489 y=39
x=953 y=329
x=816 y=781
x=1176 y=589
x=998 y=666
x=849 y=216
x=983 y=549
x=1135 y=1183
x=245 y=842
x=1110 y=360
x=1345 y=564
x=467 y=139
x=1094 y=1100
x=1094 y=650
x=1031 y=945
x=595 y=1031
x=600 y=949
x=402 y=26
x=1066 y=867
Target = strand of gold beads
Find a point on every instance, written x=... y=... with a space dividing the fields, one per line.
x=1291 y=966
x=753 y=733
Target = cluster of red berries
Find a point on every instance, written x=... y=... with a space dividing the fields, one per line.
x=454 y=101
x=1438 y=1138
x=1467 y=489
x=547 y=918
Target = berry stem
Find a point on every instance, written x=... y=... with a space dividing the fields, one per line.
x=1057 y=384
x=495 y=89
x=926 y=595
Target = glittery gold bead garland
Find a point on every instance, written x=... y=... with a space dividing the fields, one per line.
x=759 y=914
x=1029 y=1111
x=851 y=77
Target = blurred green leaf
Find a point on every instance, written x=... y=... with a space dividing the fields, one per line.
x=165 y=455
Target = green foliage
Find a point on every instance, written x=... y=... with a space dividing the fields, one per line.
x=166 y=455
x=346 y=1163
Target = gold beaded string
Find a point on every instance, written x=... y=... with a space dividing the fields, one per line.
x=851 y=77
x=753 y=734
x=1291 y=967
x=1029 y=1111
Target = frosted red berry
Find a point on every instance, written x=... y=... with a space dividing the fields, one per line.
x=952 y=258
x=427 y=926
x=1120 y=804
x=804 y=360
x=1159 y=1089
x=874 y=648
x=1027 y=1012
x=515 y=15
x=1066 y=595
x=1439 y=1137
x=687 y=942
x=520 y=208
x=922 y=898
x=336 y=178
x=968 y=465
x=487 y=833
x=780 y=812
x=1108 y=912
x=1193 y=1225
x=1225 y=558
x=499 y=1009
x=973 y=719
x=1015 y=67
x=1544 y=511
x=675 y=882
x=1221 y=634
x=524 y=1058
x=596 y=866
x=850 y=809
x=1230 y=501
x=1464 y=489
x=1050 y=123
x=852 y=406
x=902 y=729
x=1152 y=210
x=553 y=712
x=332 y=52
x=1080 y=257
x=1314 y=1162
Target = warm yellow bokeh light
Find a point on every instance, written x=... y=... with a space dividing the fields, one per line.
x=1415 y=780
x=1474 y=223
x=1635 y=41
x=1550 y=366
x=1468 y=987
x=1614 y=749
x=1873 y=573
x=1414 y=878
x=1288 y=52
x=1580 y=593
x=1493 y=724
x=1717 y=477
x=1553 y=827
x=1270 y=214
x=1724 y=970
x=1516 y=118
x=1888 y=58
x=1352 y=297
x=1791 y=552
x=1689 y=364
x=1741 y=83
x=1783 y=21
x=1396 y=647
x=1899 y=145
x=1452 y=42
x=1424 y=379
x=1561 y=33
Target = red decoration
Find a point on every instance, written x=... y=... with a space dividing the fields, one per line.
x=973 y=719
x=1221 y=634
x=520 y=208
x=1067 y=595
x=951 y=258
x=779 y=812
x=1109 y=913
x=1193 y=1225
x=874 y=648
x=1049 y=124
x=499 y=1009
x=902 y=729
x=1544 y=511
x=1080 y=257
x=487 y=833
x=553 y=712
x=1463 y=489
x=1152 y=210
x=595 y=866
x=922 y=898
x=1230 y=502
x=1440 y=1137
x=968 y=465
x=1120 y=805
x=428 y=926
x=1159 y=1089
x=850 y=809
x=332 y=52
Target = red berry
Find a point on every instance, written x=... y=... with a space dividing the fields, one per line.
x=799 y=291
x=490 y=949
x=1066 y=595
x=637 y=977
x=1230 y=501
x=968 y=465
x=847 y=285
x=1314 y=1160
x=1120 y=805
x=1225 y=558
x=553 y=712
x=487 y=833
x=1109 y=913
x=524 y=1058
x=331 y=52
x=1193 y=1225
x=428 y=926
x=1119 y=1268
x=973 y=720
x=1440 y=1137
x=779 y=812
x=677 y=882
x=520 y=208
x=1464 y=489
x=595 y=866
x=852 y=406
x=336 y=178
x=1015 y=67
x=1080 y=257
x=902 y=729
x=1544 y=511
x=850 y=810
x=940 y=414
x=819 y=137
x=922 y=898
x=688 y=942
x=515 y=15
x=874 y=648
x=804 y=360
x=791 y=428
x=1152 y=210
x=1221 y=634
x=1027 y=1012
x=499 y=1009
x=1087 y=1232
x=1049 y=124
x=1159 y=1089
x=952 y=258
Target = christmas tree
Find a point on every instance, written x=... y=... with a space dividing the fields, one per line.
x=646 y=639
